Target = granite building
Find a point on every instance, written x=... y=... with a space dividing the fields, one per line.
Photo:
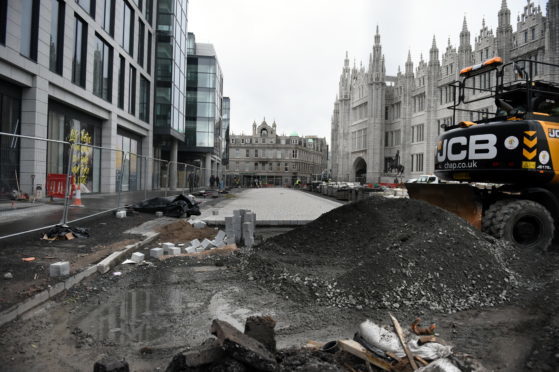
x=275 y=159
x=385 y=127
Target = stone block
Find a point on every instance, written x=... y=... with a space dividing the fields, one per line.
x=156 y=252
x=208 y=353
x=137 y=257
x=108 y=364
x=190 y=250
x=200 y=249
x=237 y=213
x=207 y=244
x=199 y=224
x=166 y=246
x=228 y=223
x=120 y=214
x=220 y=235
x=195 y=243
x=61 y=268
x=218 y=243
x=262 y=329
x=108 y=262
x=243 y=348
x=174 y=251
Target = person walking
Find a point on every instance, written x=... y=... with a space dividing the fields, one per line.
x=217 y=182
x=212 y=181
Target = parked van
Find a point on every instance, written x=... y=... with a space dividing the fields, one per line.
x=427 y=178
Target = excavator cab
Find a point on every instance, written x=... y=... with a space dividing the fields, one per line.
x=501 y=152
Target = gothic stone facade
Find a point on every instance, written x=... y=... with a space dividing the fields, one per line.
x=386 y=127
x=275 y=159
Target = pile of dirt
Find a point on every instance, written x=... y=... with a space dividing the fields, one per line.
x=387 y=254
x=182 y=232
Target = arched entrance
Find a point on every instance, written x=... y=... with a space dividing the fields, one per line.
x=360 y=170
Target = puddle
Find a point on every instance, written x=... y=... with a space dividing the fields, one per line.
x=144 y=314
x=220 y=307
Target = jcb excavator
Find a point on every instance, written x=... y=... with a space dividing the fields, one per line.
x=502 y=171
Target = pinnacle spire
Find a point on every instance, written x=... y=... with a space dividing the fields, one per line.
x=434 y=45
x=409 y=56
x=504 y=4
x=465 y=25
x=483 y=22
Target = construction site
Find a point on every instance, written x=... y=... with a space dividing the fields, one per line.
x=309 y=294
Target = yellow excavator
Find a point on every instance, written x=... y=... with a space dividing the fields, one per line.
x=501 y=171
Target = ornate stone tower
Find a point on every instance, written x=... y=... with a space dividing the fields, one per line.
x=375 y=130
x=431 y=97
x=504 y=33
x=465 y=47
x=552 y=35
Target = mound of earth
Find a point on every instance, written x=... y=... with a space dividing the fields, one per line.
x=387 y=254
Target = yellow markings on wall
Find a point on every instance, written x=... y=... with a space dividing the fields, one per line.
x=529 y=165
x=529 y=151
x=553 y=144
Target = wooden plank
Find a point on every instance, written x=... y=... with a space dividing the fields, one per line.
x=400 y=334
x=355 y=348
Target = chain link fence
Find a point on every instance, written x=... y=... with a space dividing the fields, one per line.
x=46 y=182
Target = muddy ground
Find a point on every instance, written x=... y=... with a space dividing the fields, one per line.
x=150 y=312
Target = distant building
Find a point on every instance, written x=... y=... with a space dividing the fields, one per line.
x=387 y=126
x=274 y=159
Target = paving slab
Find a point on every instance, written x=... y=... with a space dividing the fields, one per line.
x=273 y=207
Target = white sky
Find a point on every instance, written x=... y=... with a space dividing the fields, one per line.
x=282 y=59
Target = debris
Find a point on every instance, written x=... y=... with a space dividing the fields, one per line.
x=209 y=352
x=61 y=268
x=418 y=330
x=243 y=348
x=108 y=364
x=198 y=224
x=359 y=351
x=8 y=276
x=120 y=214
x=65 y=232
x=158 y=214
x=28 y=259
x=128 y=261
x=400 y=334
x=117 y=273
x=261 y=328
x=179 y=206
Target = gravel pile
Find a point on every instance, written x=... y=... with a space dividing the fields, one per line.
x=387 y=254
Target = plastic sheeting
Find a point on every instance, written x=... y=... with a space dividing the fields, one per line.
x=181 y=205
x=387 y=340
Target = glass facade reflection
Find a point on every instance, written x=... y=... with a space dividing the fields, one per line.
x=170 y=71
x=204 y=83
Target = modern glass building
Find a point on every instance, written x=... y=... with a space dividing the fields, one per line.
x=170 y=77
x=205 y=131
x=75 y=70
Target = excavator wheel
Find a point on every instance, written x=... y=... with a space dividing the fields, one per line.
x=524 y=222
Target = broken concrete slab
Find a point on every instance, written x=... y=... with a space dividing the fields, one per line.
x=195 y=243
x=243 y=348
x=61 y=268
x=209 y=352
x=190 y=249
x=218 y=243
x=262 y=329
x=108 y=364
x=156 y=252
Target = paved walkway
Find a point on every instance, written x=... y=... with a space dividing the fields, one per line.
x=273 y=207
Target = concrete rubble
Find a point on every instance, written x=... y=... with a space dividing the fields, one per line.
x=240 y=227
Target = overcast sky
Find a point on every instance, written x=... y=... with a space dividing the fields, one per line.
x=282 y=59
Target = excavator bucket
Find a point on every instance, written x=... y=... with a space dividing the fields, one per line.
x=461 y=199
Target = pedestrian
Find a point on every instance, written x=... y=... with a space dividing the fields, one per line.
x=212 y=181
x=217 y=182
